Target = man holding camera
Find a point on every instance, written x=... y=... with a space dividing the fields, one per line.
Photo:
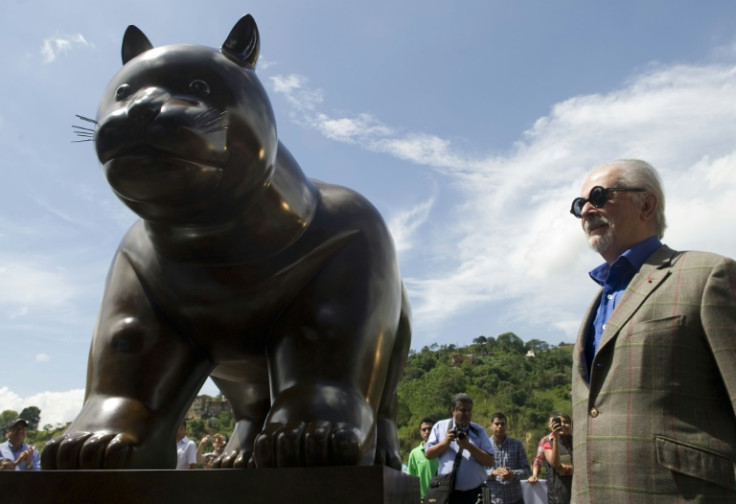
x=458 y=435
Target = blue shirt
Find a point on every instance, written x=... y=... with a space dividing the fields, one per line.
x=7 y=451
x=614 y=278
x=470 y=474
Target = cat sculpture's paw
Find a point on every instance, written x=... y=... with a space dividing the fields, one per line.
x=334 y=427
x=89 y=450
x=387 y=444
x=318 y=443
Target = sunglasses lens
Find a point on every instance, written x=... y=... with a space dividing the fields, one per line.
x=597 y=196
x=577 y=207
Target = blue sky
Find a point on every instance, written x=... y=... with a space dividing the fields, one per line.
x=470 y=125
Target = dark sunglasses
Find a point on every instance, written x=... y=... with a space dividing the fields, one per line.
x=598 y=197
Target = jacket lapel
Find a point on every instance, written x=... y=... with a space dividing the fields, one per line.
x=647 y=280
x=582 y=362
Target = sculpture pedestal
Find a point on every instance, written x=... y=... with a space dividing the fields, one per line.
x=316 y=485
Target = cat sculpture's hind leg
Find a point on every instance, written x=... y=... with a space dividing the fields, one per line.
x=331 y=350
x=250 y=402
x=387 y=435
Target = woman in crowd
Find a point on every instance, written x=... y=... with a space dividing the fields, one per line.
x=218 y=445
x=558 y=459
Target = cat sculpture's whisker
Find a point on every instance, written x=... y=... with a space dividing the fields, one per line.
x=211 y=120
x=88 y=134
x=213 y=130
x=85 y=118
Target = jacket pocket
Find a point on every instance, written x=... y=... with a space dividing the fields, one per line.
x=696 y=462
x=665 y=324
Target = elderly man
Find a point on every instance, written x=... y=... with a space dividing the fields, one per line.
x=15 y=449
x=654 y=366
x=462 y=446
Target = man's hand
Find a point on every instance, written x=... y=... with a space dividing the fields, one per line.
x=481 y=456
x=506 y=473
x=463 y=442
x=25 y=456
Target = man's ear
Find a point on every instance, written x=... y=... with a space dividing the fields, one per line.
x=649 y=206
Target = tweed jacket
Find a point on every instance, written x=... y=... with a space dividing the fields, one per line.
x=654 y=418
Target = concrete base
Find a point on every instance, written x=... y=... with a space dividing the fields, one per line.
x=317 y=485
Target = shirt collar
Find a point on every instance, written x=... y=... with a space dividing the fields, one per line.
x=18 y=448
x=635 y=257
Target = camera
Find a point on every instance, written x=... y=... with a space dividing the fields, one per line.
x=557 y=420
x=461 y=434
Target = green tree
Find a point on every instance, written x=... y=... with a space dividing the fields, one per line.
x=32 y=415
x=538 y=346
x=510 y=343
x=6 y=417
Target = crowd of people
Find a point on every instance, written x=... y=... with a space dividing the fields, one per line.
x=191 y=456
x=496 y=464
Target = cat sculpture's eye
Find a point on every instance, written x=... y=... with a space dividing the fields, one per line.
x=122 y=92
x=199 y=87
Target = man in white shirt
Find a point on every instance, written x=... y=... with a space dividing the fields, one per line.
x=186 y=450
x=459 y=433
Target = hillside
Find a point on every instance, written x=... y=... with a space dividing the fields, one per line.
x=526 y=381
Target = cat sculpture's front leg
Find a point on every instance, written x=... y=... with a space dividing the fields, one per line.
x=141 y=376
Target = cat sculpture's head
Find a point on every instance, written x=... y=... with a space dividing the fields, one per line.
x=185 y=133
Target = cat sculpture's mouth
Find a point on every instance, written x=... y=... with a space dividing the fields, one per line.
x=148 y=174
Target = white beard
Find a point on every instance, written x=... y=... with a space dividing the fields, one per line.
x=599 y=243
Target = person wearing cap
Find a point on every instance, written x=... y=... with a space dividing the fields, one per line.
x=23 y=456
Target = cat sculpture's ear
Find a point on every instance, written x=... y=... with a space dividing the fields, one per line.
x=243 y=44
x=134 y=43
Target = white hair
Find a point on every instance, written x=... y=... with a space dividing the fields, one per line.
x=638 y=173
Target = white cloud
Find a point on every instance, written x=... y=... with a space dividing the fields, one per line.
x=514 y=242
x=42 y=357
x=54 y=46
x=366 y=130
x=404 y=224
x=303 y=99
x=56 y=407
x=350 y=129
x=30 y=286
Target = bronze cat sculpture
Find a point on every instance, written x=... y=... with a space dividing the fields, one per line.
x=285 y=290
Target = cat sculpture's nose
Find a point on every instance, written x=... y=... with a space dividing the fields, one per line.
x=147 y=104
